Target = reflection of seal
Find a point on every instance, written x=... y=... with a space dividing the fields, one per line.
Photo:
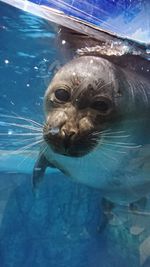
x=96 y=118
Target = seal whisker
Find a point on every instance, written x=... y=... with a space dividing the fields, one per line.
x=24 y=148
x=26 y=156
x=21 y=134
x=110 y=137
x=21 y=118
x=20 y=150
x=26 y=140
x=107 y=132
x=121 y=143
x=43 y=149
x=115 y=136
x=28 y=120
x=122 y=146
x=5 y=124
x=30 y=153
x=118 y=145
x=111 y=133
x=104 y=131
x=118 y=151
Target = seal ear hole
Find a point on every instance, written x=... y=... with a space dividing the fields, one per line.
x=62 y=95
x=102 y=105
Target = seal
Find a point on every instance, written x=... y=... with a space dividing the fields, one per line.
x=97 y=128
x=97 y=123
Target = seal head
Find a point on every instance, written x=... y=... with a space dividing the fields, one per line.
x=83 y=99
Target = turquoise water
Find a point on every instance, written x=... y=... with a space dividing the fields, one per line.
x=63 y=226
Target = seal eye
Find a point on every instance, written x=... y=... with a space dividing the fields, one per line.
x=102 y=105
x=62 y=95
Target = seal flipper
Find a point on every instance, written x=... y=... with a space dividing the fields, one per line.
x=39 y=169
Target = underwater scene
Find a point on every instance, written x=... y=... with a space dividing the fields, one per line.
x=74 y=134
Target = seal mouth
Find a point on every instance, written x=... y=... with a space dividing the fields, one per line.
x=79 y=146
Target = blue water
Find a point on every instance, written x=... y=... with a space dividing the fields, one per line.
x=62 y=227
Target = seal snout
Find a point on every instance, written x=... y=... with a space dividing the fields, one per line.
x=61 y=137
x=68 y=139
x=66 y=131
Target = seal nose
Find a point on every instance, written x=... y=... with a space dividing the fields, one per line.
x=68 y=133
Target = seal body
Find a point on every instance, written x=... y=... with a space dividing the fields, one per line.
x=97 y=128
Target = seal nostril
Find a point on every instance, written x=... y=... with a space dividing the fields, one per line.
x=73 y=133
x=68 y=134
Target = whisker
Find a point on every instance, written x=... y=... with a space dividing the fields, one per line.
x=107 y=132
x=102 y=131
x=106 y=140
x=5 y=152
x=120 y=143
x=26 y=157
x=21 y=134
x=118 y=151
x=24 y=148
x=21 y=118
x=27 y=140
x=115 y=136
x=122 y=146
x=21 y=126
x=17 y=143
x=106 y=136
x=43 y=149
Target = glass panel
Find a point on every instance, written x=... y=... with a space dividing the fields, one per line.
x=126 y=18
